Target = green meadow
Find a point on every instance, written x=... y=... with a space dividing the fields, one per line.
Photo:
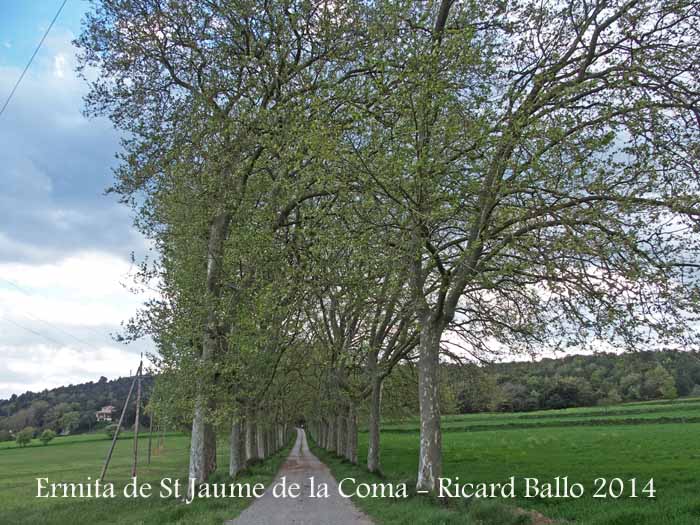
x=640 y=441
x=75 y=458
x=644 y=444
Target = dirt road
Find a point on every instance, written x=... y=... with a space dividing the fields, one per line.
x=301 y=465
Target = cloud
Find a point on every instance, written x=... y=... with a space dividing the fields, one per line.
x=55 y=165
x=56 y=320
x=37 y=367
x=64 y=245
x=59 y=65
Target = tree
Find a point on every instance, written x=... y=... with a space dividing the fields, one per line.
x=70 y=421
x=659 y=383
x=532 y=151
x=24 y=436
x=204 y=113
x=46 y=436
x=110 y=430
x=531 y=168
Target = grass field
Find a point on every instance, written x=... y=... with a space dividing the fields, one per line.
x=653 y=448
x=636 y=440
x=77 y=457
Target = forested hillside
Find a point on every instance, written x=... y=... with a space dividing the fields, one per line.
x=601 y=379
x=571 y=381
x=68 y=408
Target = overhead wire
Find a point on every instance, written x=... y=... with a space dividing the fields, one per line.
x=31 y=59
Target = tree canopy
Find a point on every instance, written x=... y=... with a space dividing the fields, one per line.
x=334 y=188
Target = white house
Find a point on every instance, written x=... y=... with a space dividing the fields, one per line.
x=105 y=414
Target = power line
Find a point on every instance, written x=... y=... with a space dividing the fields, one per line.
x=35 y=318
x=32 y=58
x=50 y=339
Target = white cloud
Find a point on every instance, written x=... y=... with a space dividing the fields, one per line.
x=39 y=366
x=56 y=320
x=62 y=242
x=85 y=289
x=59 y=65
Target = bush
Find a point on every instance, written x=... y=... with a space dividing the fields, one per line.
x=24 y=437
x=46 y=436
x=110 y=430
x=5 y=436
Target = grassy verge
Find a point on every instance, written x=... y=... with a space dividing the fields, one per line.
x=67 y=460
x=417 y=509
x=667 y=453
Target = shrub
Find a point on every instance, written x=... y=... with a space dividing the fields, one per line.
x=110 y=430
x=46 y=436
x=5 y=435
x=24 y=436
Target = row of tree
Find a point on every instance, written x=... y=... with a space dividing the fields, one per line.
x=334 y=188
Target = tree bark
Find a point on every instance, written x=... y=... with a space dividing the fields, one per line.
x=375 y=408
x=323 y=432
x=202 y=444
x=260 y=440
x=331 y=435
x=341 y=435
x=236 y=462
x=203 y=440
x=242 y=449
x=351 y=444
x=430 y=456
x=251 y=443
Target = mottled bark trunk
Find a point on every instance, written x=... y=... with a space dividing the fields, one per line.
x=375 y=414
x=323 y=434
x=260 y=439
x=242 y=449
x=235 y=463
x=251 y=444
x=430 y=456
x=351 y=443
x=330 y=447
x=341 y=435
x=203 y=439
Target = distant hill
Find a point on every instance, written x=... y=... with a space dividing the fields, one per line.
x=577 y=380
x=70 y=408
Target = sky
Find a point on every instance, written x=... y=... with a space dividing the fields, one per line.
x=65 y=246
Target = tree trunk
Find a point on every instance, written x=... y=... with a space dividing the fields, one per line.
x=375 y=414
x=235 y=463
x=331 y=435
x=351 y=444
x=323 y=432
x=251 y=444
x=203 y=440
x=260 y=439
x=201 y=443
x=341 y=434
x=430 y=457
x=242 y=449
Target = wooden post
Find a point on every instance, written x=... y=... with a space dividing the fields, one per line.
x=116 y=432
x=136 y=422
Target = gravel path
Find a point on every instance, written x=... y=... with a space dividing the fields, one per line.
x=300 y=465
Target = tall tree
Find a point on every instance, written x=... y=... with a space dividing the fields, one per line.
x=200 y=88
x=541 y=162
